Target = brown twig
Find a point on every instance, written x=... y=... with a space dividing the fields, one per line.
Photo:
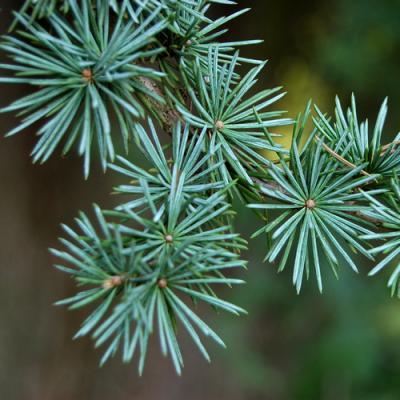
x=388 y=146
x=168 y=115
x=340 y=158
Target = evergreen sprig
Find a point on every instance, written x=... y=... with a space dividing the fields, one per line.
x=87 y=74
x=320 y=211
x=187 y=167
x=355 y=139
x=140 y=268
x=235 y=121
x=106 y=70
x=387 y=213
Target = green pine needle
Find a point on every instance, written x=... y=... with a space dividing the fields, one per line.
x=387 y=212
x=320 y=207
x=356 y=140
x=140 y=270
x=86 y=75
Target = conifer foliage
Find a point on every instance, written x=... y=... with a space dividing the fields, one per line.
x=108 y=77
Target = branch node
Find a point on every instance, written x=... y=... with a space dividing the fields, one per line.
x=162 y=283
x=311 y=204
x=113 y=282
x=219 y=125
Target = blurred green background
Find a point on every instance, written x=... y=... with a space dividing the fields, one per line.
x=342 y=345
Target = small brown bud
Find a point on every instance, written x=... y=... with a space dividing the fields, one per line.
x=87 y=75
x=169 y=238
x=162 y=283
x=219 y=125
x=188 y=42
x=207 y=79
x=113 y=282
x=310 y=204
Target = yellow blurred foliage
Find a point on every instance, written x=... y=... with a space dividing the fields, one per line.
x=302 y=83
